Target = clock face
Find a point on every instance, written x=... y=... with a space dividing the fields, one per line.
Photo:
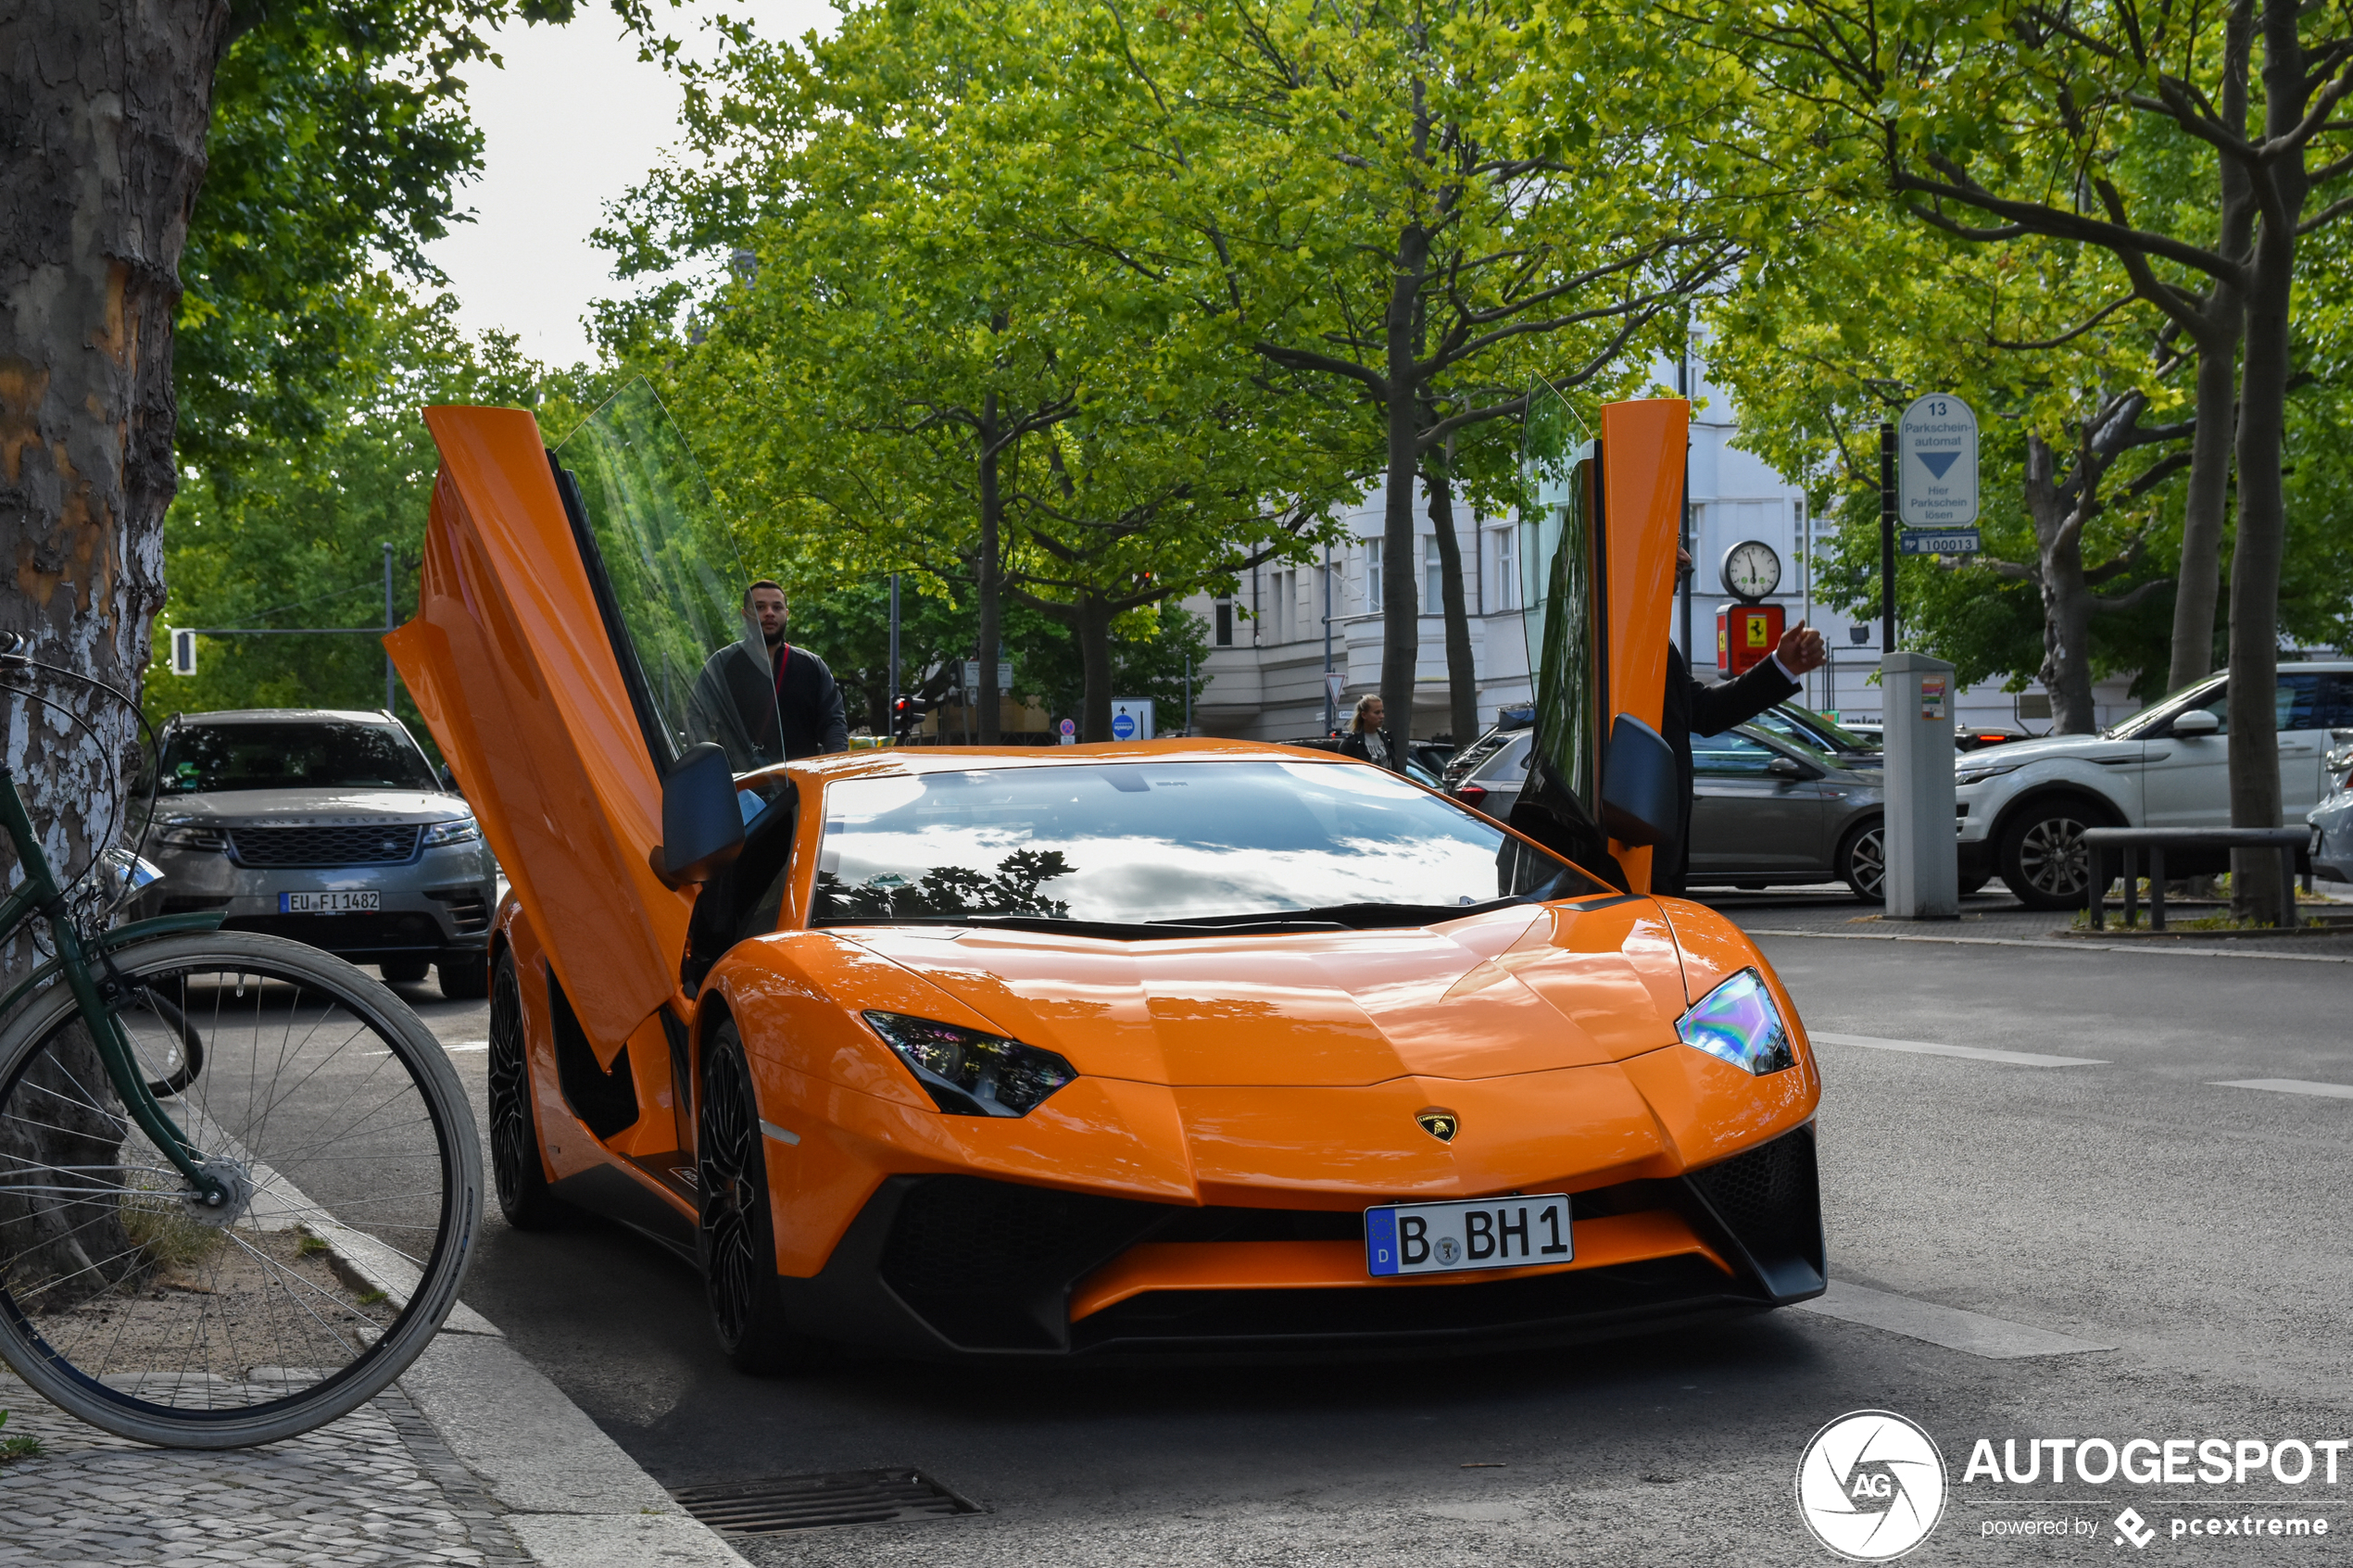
x=1752 y=570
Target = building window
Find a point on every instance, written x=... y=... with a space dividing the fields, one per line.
x=1225 y=616
x=1501 y=550
x=1433 y=577
x=1372 y=576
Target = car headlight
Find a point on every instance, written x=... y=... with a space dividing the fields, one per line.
x=1738 y=1023
x=193 y=834
x=969 y=1074
x=1978 y=772
x=465 y=829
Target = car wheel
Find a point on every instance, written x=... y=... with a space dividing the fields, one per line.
x=465 y=980
x=403 y=971
x=738 y=1232
x=516 y=1168
x=2043 y=858
x=1971 y=885
x=1862 y=860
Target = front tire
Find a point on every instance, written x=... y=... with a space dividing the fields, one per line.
x=347 y=1149
x=1862 y=860
x=2043 y=858
x=517 y=1168
x=465 y=980
x=738 y=1232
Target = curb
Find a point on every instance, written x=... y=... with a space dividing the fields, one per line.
x=573 y=1498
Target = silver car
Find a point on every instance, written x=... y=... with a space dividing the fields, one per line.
x=327 y=827
x=1765 y=810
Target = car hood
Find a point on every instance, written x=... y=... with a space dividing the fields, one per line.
x=2093 y=749
x=310 y=807
x=1520 y=990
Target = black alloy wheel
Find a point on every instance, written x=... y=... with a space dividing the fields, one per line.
x=1862 y=860
x=737 y=1233
x=2043 y=855
x=516 y=1168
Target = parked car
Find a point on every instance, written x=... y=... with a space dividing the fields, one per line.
x=328 y=827
x=2332 y=819
x=1977 y=738
x=1764 y=811
x=1796 y=723
x=2024 y=806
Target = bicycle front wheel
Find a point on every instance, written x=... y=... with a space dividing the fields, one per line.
x=356 y=1189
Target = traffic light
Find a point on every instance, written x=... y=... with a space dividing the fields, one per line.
x=906 y=715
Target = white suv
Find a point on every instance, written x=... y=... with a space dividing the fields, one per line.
x=2024 y=806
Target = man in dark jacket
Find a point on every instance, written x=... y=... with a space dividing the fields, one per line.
x=767 y=710
x=1698 y=708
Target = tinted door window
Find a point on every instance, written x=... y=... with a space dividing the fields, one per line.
x=1730 y=755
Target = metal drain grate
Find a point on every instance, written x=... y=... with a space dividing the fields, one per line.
x=809 y=1502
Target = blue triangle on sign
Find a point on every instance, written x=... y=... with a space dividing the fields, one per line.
x=1937 y=461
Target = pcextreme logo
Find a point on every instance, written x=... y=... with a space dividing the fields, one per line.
x=1871 y=1485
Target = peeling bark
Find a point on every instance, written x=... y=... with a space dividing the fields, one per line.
x=104 y=106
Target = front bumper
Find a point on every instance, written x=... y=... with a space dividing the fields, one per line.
x=2333 y=838
x=966 y=1266
x=440 y=903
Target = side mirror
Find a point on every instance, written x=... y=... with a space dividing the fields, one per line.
x=449 y=782
x=2196 y=725
x=702 y=826
x=1642 y=797
x=1788 y=768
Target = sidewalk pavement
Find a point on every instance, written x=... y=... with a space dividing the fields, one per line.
x=474 y=1457
x=1993 y=916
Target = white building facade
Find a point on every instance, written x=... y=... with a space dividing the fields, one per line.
x=1274 y=641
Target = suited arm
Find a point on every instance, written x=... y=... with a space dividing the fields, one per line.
x=1717 y=708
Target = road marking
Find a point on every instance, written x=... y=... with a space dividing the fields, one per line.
x=2054 y=945
x=2288 y=1086
x=1975 y=1053
x=1995 y=1339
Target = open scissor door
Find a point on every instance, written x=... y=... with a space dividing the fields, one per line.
x=571 y=607
x=1601 y=515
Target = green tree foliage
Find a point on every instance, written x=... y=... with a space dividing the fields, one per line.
x=298 y=540
x=911 y=367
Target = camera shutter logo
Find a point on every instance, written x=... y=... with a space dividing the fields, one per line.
x=1871 y=1485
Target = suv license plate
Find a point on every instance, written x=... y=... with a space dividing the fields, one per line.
x=1481 y=1233
x=329 y=903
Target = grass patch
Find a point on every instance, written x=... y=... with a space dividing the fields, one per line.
x=311 y=1245
x=159 y=1226
x=12 y=1448
x=368 y=1299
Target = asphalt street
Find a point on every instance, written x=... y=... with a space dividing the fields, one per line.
x=2131 y=1203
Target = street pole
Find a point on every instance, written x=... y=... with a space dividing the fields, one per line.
x=1887 y=536
x=1683 y=389
x=891 y=709
x=1331 y=710
x=1188 y=692
x=388 y=624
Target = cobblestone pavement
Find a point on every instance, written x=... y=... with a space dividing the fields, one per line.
x=378 y=1487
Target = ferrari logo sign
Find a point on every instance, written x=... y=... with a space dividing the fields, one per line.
x=1440 y=1124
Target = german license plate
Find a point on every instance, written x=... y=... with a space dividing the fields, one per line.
x=329 y=903
x=1479 y=1233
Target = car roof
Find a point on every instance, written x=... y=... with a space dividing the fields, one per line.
x=911 y=760
x=287 y=716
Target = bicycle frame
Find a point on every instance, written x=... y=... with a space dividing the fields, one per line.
x=39 y=894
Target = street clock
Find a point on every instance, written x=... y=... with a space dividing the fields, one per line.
x=1752 y=570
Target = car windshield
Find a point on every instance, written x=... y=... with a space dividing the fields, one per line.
x=1131 y=843
x=1782 y=727
x=207 y=759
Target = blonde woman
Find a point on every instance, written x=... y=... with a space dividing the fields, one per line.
x=1368 y=738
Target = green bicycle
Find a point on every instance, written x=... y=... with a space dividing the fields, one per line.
x=239 y=1180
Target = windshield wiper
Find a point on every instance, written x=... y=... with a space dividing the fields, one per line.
x=1346 y=917
x=1115 y=930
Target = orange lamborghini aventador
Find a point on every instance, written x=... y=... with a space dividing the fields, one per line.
x=1184 y=1047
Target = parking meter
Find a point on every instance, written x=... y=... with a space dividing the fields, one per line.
x=1923 y=857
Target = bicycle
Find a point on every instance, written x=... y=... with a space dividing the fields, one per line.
x=271 y=1249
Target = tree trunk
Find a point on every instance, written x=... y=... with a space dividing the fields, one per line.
x=103 y=113
x=2255 y=560
x=2067 y=600
x=1091 y=627
x=988 y=571
x=2206 y=513
x=1462 y=673
x=1401 y=604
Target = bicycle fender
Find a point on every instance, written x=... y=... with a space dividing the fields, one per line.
x=121 y=937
